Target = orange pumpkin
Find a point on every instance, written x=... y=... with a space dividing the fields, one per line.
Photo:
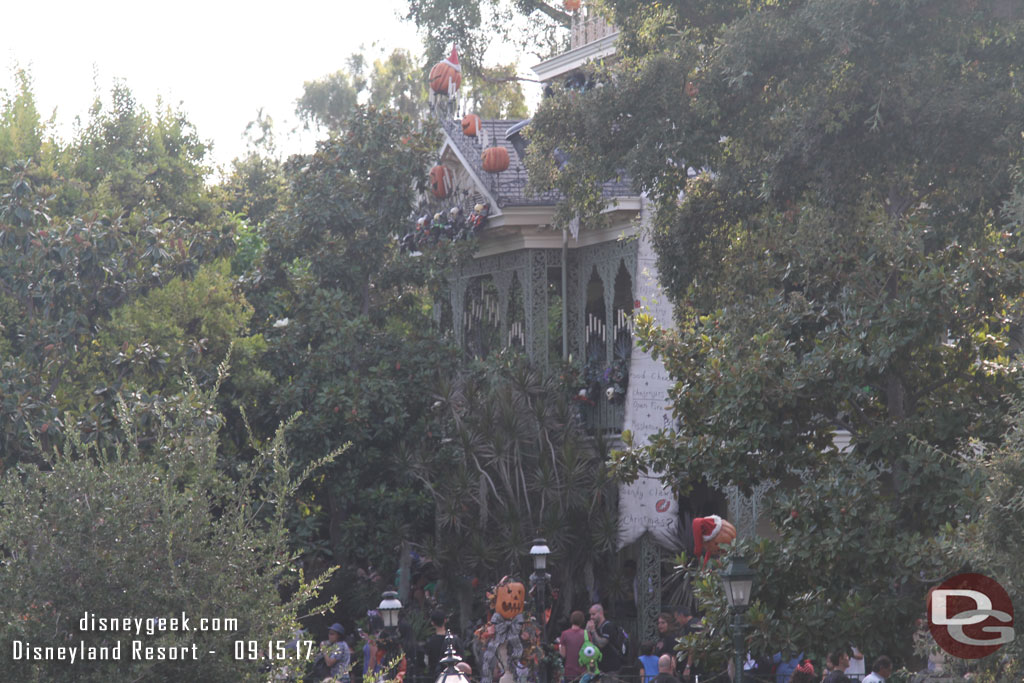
x=441 y=181
x=470 y=125
x=571 y=5
x=495 y=159
x=726 y=535
x=509 y=599
x=446 y=76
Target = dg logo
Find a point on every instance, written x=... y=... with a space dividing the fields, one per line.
x=970 y=616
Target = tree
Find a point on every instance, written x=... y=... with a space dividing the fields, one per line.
x=531 y=25
x=831 y=185
x=351 y=341
x=22 y=130
x=495 y=93
x=394 y=83
x=126 y=161
x=59 y=283
x=506 y=459
x=149 y=531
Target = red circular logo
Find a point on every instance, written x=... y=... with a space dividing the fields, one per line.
x=662 y=505
x=970 y=616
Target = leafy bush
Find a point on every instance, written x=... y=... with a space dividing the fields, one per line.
x=154 y=531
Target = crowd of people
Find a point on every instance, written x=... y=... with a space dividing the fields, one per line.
x=591 y=647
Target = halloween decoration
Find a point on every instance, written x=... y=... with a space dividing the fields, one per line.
x=441 y=181
x=471 y=125
x=478 y=218
x=509 y=598
x=446 y=75
x=571 y=5
x=495 y=159
x=709 y=533
x=504 y=643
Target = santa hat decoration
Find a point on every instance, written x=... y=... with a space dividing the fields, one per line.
x=446 y=76
x=711 y=532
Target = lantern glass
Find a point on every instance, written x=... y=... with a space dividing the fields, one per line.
x=539 y=552
x=738 y=580
x=389 y=607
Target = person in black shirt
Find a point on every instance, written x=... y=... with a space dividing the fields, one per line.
x=434 y=646
x=605 y=635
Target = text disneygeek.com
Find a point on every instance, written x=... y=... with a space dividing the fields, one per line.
x=116 y=650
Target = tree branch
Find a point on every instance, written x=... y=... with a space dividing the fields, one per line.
x=561 y=16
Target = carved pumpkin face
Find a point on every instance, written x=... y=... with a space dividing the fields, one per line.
x=508 y=599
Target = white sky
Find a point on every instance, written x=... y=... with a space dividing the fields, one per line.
x=221 y=60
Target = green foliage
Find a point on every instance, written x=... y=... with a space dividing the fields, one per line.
x=837 y=223
x=395 y=83
x=149 y=530
x=992 y=543
x=326 y=102
x=125 y=161
x=529 y=25
x=495 y=93
x=351 y=342
x=59 y=283
x=187 y=325
x=255 y=187
x=22 y=130
x=506 y=459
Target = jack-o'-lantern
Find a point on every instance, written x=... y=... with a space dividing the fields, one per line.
x=446 y=75
x=495 y=159
x=470 y=125
x=571 y=5
x=441 y=181
x=509 y=598
x=709 y=533
x=726 y=535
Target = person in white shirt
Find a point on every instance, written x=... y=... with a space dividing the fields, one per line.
x=856 y=670
x=880 y=670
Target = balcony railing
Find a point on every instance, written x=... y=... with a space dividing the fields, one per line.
x=588 y=29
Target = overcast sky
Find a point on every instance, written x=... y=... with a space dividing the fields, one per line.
x=221 y=60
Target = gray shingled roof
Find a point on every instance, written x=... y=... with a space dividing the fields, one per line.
x=509 y=186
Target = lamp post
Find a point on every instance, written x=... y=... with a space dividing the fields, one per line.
x=738 y=580
x=391 y=648
x=449 y=674
x=389 y=608
x=539 y=581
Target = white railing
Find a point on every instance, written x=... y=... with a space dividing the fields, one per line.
x=586 y=30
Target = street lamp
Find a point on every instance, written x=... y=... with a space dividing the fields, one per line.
x=449 y=674
x=389 y=608
x=539 y=581
x=738 y=580
x=539 y=552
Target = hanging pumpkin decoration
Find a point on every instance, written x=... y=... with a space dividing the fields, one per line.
x=495 y=159
x=711 y=532
x=441 y=181
x=470 y=125
x=571 y=5
x=446 y=76
x=509 y=598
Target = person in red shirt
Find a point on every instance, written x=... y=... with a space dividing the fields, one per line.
x=569 y=644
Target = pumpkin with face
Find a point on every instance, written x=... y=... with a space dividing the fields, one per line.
x=509 y=597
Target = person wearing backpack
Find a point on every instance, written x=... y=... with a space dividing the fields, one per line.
x=608 y=638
